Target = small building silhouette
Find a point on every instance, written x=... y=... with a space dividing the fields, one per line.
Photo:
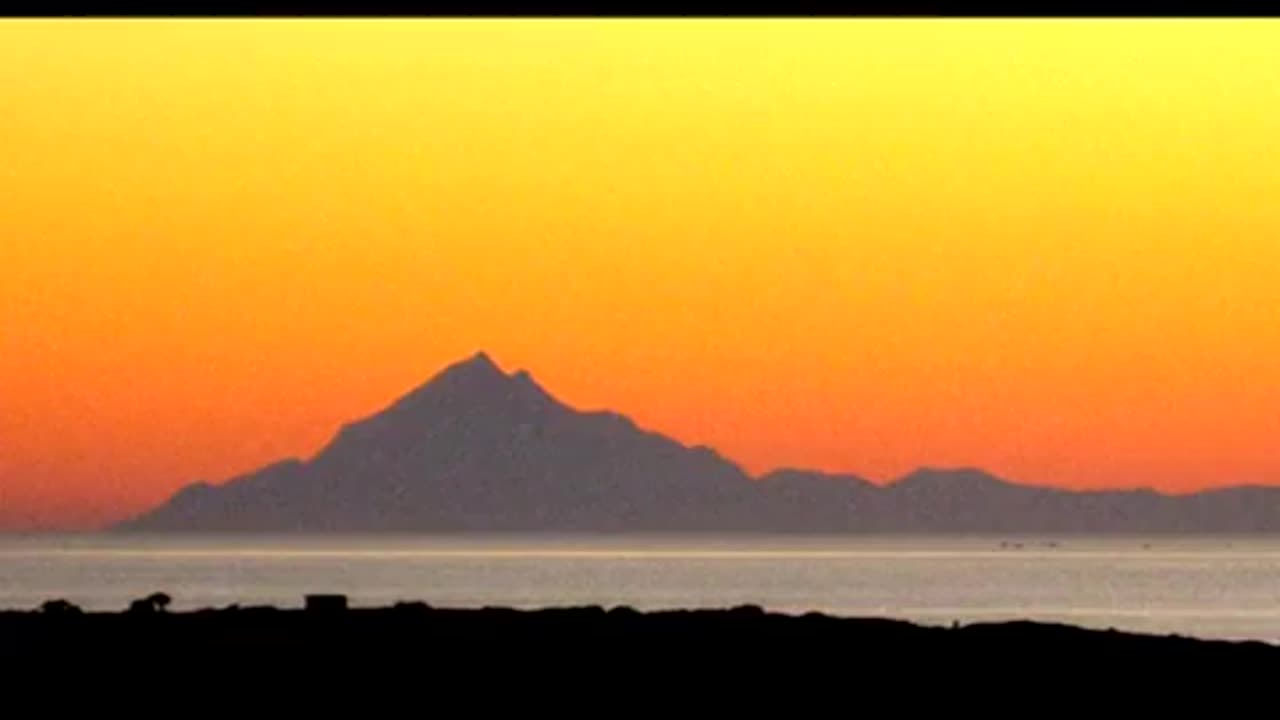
x=326 y=603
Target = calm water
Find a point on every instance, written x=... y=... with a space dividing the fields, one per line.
x=1226 y=588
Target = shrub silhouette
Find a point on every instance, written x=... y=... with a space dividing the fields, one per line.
x=153 y=603
x=60 y=607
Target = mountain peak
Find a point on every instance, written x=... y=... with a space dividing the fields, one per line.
x=477 y=367
x=465 y=378
x=477 y=381
x=479 y=360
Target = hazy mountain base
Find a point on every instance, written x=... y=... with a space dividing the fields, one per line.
x=478 y=450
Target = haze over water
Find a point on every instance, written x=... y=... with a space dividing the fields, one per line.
x=1206 y=587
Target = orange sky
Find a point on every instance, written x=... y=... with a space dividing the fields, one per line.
x=1048 y=248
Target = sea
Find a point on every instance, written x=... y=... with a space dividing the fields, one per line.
x=1227 y=588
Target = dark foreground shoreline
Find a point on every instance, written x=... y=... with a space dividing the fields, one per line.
x=329 y=633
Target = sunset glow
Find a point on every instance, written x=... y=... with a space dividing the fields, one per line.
x=1050 y=249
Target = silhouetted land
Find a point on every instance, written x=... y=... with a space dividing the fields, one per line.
x=562 y=640
x=477 y=450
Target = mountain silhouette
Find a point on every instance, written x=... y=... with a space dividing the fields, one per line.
x=475 y=449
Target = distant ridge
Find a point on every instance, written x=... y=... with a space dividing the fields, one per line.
x=475 y=449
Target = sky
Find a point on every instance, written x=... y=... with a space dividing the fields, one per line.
x=1048 y=248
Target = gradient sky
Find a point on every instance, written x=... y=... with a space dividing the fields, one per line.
x=1047 y=248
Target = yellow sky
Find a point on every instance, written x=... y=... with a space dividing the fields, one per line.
x=1048 y=248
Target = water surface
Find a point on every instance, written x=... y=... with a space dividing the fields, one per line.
x=1219 y=587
